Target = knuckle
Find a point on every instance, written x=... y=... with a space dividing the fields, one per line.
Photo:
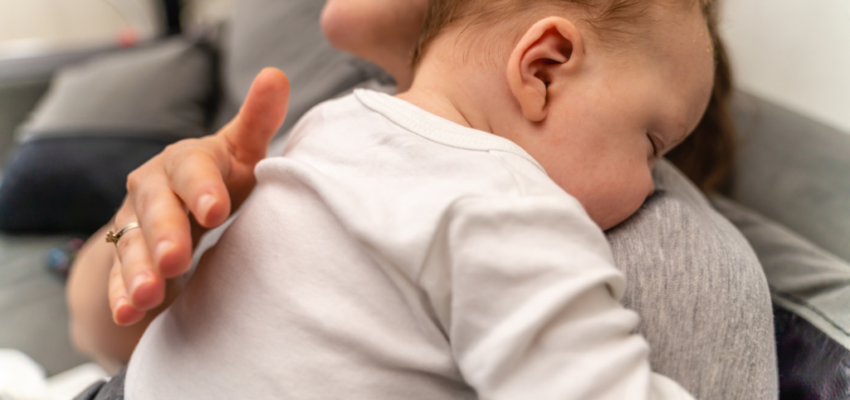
x=142 y=201
x=145 y=200
x=192 y=152
x=177 y=147
x=133 y=180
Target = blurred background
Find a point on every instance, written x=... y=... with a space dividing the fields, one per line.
x=29 y=27
x=39 y=36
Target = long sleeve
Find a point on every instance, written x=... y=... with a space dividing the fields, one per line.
x=533 y=311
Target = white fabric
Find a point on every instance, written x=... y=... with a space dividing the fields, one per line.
x=391 y=254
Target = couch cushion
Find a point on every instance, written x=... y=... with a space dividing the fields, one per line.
x=794 y=171
x=33 y=315
x=164 y=89
x=99 y=121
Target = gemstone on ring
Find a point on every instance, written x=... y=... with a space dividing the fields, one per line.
x=114 y=237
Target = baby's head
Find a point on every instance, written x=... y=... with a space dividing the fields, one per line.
x=594 y=90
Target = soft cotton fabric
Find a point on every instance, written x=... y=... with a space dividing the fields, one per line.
x=394 y=254
x=813 y=342
x=701 y=293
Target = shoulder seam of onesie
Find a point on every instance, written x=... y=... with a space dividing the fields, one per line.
x=437 y=129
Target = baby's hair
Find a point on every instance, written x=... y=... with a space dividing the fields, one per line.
x=614 y=20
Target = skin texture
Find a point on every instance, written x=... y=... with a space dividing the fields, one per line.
x=381 y=31
x=587 y=114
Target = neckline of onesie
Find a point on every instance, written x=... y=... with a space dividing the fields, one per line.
x=435 y=128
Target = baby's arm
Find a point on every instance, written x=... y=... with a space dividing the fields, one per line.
x=534 y=310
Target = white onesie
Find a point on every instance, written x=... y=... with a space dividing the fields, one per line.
x=392 y=254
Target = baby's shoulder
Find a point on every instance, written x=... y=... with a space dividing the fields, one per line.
x=378 y=158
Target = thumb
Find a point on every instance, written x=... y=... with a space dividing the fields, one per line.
x=260 y=117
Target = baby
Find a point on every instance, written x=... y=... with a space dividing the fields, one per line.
x=447 y=242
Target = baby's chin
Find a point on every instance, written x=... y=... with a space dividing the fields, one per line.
x=613 y=216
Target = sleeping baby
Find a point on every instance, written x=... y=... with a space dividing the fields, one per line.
x=448 y=242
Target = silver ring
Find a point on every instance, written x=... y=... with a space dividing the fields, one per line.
x=114 y=237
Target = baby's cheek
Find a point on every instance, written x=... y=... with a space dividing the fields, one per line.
x=625 y=200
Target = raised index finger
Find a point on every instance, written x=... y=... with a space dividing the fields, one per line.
x=260 y=117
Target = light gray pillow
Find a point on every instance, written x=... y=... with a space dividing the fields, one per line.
x=115 y=111
x=701 y=293
x=803 y=278
x=794 y=171
x=161 y=90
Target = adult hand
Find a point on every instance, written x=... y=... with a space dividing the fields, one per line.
x=206 y=178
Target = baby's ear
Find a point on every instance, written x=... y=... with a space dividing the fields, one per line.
x=548 y=52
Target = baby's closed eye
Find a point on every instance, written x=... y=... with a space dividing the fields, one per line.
x=654 y=145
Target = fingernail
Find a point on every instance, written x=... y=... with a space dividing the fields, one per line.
x=205 y=203
x=161 y=249
x=118 y=313
x=121 y=303
x=138 y=281
x=124 y=313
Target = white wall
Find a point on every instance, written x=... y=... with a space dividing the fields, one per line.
x=201 y=13
x=32 y=26
x=793 y=52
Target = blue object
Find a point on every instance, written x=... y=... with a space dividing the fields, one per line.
x=60 y=260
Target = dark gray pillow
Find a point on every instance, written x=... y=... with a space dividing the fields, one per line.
x=701 y=293
x=98 y=122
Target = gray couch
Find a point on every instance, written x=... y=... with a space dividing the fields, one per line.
x=790 y=169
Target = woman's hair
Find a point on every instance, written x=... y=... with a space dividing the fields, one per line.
x=706 y=156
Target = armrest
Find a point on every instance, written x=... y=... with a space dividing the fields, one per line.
x=795 y=171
